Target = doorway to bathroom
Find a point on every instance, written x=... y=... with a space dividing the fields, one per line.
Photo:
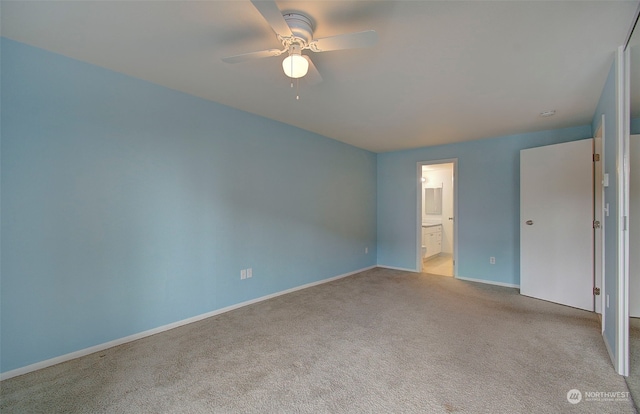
x=437 y=217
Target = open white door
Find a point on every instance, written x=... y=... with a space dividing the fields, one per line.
x=598 y=214
x=634 y=227
x=556 y=223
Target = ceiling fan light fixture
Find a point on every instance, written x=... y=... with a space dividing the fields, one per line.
x=295 y=66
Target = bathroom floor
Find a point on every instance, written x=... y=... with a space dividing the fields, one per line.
x=440 y=265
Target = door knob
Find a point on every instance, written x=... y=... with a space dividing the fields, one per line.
x=529 y=222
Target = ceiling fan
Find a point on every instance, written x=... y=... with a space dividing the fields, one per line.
x=295 y=31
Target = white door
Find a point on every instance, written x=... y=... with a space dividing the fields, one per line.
x=598 y=214
x=634 y=226
x=556 y=223
x=447 y=212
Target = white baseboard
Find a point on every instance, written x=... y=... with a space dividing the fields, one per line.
x=488 y=282
x=140 y=335
x=404 y=269
x=468 y=279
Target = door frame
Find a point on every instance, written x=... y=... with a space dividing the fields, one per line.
x=418 y=223
x=623 y=127
x=598 y=210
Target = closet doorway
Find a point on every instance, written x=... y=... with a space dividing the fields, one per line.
x=436 y=217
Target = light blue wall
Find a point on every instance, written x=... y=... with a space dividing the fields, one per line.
x=607 y=106
x=127 y=206
x=488 y=202
x=635 y=126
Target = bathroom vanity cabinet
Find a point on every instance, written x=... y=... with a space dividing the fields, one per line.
x=431 y=240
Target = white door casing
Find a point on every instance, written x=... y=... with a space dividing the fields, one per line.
x=556 y=223
x=598 y=214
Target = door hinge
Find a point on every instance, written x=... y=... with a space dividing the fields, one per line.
x=596 y=224
x=596 y=291
x=596 y=157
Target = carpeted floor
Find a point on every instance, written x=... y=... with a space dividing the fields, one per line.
x=379 y=341
x=633 y=380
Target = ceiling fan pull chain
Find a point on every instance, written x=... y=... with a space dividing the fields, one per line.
x=297 y=89
x=291 y=70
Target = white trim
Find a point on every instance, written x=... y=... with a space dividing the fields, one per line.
x=626 y=174
x=144 y=334
x=603 y=257
x=467 y=279
x=418 y=223
x=455 y=218
x=489 y=282
x=622 y=265
x=404 y=269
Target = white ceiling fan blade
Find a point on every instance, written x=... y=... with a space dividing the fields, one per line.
x=252 y=55
x=345 y=41
x=272 y=14
x=313 y=76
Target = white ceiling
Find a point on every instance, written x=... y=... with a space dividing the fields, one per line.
x=442 y=71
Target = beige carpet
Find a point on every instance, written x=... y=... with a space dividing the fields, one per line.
x=380 y=341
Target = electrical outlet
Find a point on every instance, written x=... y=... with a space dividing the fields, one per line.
x=492 y=260
x=366 y=250
x=249 y=273
x=243 y=274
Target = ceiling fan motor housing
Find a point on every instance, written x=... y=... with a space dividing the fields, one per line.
x=301 y=27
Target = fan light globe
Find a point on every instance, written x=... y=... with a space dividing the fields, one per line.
x=295 y=66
